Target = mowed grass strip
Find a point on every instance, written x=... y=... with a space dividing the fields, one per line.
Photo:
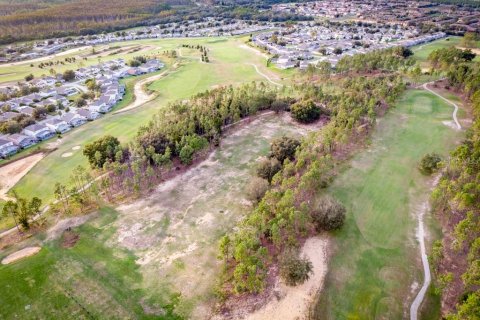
x=228 y=66
x=376 y=257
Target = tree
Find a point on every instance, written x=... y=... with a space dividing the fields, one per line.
x=101 y=150
x=305 y=111
x=256 y=189
x=268 y=168
x=328 y=214
x=284 y=148
x=10 y=209
x=469 y=40
x=430 y=163
x=337 y=51
x=29 y=77
x=68 y=75
x=293 y=269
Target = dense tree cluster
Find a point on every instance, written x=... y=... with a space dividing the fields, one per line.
x=445 y=57
x=290 y=210
x=457 y=198
x=391 y=59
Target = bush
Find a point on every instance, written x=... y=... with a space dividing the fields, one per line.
x=293 y=269
x=268 y=168
x=101 y=150
x=329 y=214
x=256 y=189
x=68 y=75
x=430 y=163
x=284 y=148
x=305 y=111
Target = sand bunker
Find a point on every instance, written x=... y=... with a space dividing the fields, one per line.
x=11 y=173
x=67 y=154
x=296 y=301
x=76 y=148
x=27 y=252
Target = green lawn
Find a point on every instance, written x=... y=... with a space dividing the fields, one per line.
x=376 y=257
x=180 y=222
x=88 y=281
x=422 y=51
x=229 y=65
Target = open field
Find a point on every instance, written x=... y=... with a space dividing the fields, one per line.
x=422 y=51
x=375 y=271
x=229 y=65
x=132 y=261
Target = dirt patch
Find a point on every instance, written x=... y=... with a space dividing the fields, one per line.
x=65 y=225
x=69 y=238
x=26 y=252
x=11 y=173
x=289 y=303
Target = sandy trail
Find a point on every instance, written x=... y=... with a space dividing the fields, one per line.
x=26 y=252
x=11 y=173
x=455 y=110
x=296 y=301
x=63 y=53
x=141 y=96
x=265 y=76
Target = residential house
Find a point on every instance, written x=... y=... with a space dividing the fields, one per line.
x=38 y=131
x=73 y=119
x=26 y=110
x=88 y=114
x=22 y=141
x=7 y=148
x=57 y=125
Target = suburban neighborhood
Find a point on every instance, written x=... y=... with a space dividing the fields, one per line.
x=47 y=111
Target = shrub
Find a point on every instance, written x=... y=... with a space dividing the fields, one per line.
x=101 y=150
x=305 y=111
x=293 y=269
x=284 y=148
x=329 y=214
x=256 y=189
x=268 y=168
x=430 y=163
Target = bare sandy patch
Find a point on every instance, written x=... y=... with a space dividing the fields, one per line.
x=26 y=252
x=141 y=96
x=67 y=154
x=11 y=173
x=257 y=52
x=474 y=50
x=295 y=302
x=65 y=224
x=76 y=148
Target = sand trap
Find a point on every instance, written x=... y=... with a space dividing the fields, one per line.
x=27 y=252
x=296 y=301
x=76 y=148
x=67 y=154
x=11 y=173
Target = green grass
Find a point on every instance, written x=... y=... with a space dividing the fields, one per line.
x=229 y=65
x=421 y=52
x=376 y=257
x=87 y=281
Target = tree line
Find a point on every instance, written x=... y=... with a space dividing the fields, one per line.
x=457 y=200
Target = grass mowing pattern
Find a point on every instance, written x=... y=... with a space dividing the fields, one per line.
x=86 y=281
x=376 y=256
